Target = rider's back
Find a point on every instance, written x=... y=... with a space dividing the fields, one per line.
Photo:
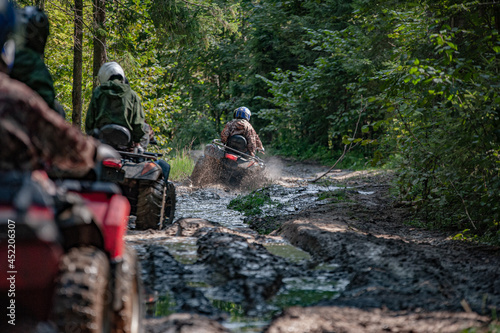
x=33 y=136
x=114 y=102
x=244 y=128
x=30 y=69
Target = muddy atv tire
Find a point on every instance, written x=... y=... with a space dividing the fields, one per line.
x=169 y=205
x=128 y=318
x=81 y=297
x=149 y=205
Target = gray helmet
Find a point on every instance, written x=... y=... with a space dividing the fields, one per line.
x=108 y=70
x=35 y=25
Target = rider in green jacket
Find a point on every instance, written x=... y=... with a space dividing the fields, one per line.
x=114 y=102
x=29 y=66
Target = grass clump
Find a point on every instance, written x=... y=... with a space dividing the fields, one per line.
x=181 y=165
x=252 y=203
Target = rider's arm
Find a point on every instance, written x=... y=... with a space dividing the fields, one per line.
x=258 y=143
x=225 y=133
x=250 y=134
x=62 y=144
x=138 y=119
x=91 y=115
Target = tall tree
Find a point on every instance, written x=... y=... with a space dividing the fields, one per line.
x=76 y=93
x=40 y=4
x=100 y=56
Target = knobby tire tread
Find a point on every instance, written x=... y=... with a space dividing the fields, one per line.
x=149 y=203
x=128 y=319
x=81 y=298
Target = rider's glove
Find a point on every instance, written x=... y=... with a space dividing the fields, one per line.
x=106 y=152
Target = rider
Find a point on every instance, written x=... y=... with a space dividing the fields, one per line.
x=240 y=125
x=114 y=102
x=29 y=66
x=32 y=136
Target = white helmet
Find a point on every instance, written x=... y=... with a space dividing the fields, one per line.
x=108 y=70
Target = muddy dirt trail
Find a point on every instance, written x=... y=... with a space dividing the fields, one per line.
x=335 y=256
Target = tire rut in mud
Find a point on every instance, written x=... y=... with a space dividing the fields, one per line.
x=389 y=268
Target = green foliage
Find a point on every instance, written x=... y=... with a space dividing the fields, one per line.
x=441 y=102
x=164 y=306
x=252 y=203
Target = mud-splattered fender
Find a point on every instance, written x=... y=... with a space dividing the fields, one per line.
x=147 y=170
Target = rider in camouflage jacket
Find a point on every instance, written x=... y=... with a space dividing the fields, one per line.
x=33 y=136
x=241 y=126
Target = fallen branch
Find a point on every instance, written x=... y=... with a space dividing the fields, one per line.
x=347 y=148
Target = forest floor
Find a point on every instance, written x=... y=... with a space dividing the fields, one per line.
x=401 y=278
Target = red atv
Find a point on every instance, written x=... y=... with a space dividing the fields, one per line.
x=64 y=258
x=229 y=164
x=143 y=178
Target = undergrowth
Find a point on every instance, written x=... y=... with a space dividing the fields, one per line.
x=181 y=165
x=253 y=203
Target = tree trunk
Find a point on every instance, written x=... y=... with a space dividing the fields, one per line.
x=100 y=55
x=40 y=4
x=76 y=93
x=497 y=18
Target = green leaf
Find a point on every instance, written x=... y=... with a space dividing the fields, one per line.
x=453 y=46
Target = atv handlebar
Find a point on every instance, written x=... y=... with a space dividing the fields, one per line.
x=255 y=158
x=152 y=156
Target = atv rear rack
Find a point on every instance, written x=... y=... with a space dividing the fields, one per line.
x=250 y=157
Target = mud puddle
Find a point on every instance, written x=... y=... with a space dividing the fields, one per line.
x=210 y=262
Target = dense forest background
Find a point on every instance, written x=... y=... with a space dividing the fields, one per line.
x=409 y=84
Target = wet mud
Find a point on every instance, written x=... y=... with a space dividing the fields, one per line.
x=330 y=257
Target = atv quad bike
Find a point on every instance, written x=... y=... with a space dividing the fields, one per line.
x=69 y=264
x=229 y=164
x=141 y=178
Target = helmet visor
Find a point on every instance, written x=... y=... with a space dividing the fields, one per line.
x=8 y=53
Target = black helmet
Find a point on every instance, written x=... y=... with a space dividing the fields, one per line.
x=35 y=26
